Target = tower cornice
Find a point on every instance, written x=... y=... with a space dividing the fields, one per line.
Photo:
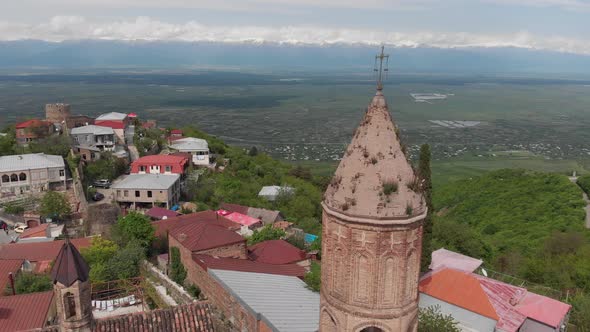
x=374 y=220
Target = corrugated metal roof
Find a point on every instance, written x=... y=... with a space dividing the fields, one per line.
x=275 y=190
x=284 y=303
x=114 y=124
x=163 y=226
x=246 y=265
x=92 y=129
x=276 y=252
x=190 y=144
x=159 y=213
x=24 y=312
x=446 y=258
x=205 y=235
x=38 y=251
x=147 y=181
x=21 y=162
x=7 y=266
x=112 y=116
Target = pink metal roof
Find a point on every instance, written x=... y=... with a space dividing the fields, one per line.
x=543 y=309
x=446 y=258
x=239 y=218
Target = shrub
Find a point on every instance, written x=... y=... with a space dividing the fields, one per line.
x=177 y=271
x=28 y=282
x=389 y=187
x=432 y=320
x=313 y=278
x=193 y=290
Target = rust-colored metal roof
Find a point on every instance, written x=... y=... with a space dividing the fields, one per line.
x=458 y=288
x=194 y=317
x=275 y=252
x=205 y=235
x=164 y=226
x=69 y=266
x=32 y=123
x=235 y=208
x=7 y=266
x=24 y=312
x=37 y=231
x=372 y=166
x=38 y=251
x=246 y=265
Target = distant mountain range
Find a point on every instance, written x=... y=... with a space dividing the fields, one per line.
x=102 y=53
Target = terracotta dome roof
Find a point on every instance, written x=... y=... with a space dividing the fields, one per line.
x=374 y=178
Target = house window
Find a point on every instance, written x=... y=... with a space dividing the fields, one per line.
x=84 y=156
x=168 y=169
x=142 y=168
x=126 y=193
x=62 y=172
x=137 y=193
x=149 y=193
x=118 y=193
x=22 y=176
x=92 y=155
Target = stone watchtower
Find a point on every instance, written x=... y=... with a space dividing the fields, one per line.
x=57 y=113
x=372 y=233
x=71 y=288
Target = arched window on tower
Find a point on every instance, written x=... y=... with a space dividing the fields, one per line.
x=69 y=305
x=22 y=176
x=13 y=178
x=5 y=178
x=412 y=270
x=371 y=329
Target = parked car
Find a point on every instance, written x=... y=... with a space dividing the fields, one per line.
x=20 y=228
x=103 y=183
x=97 y=197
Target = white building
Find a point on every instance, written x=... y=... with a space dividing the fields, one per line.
x=271 y=193
x=100 y=137
x=33 y=172
x=197 y=147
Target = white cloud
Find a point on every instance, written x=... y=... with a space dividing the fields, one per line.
x=62 y=28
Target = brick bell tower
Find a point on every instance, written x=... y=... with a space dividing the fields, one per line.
x=71 y=288
x=372 y=231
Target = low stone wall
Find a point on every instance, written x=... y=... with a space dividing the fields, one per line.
x=177 y=292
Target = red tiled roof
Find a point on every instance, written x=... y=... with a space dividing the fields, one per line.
x=38 y=251
x=246 y=265
x=164 y=226
x=32 y=123
x=275 y=252
x=24 y=312
x=159 y=213
x=176 y=131
x=235 y=208
x=205 y=235
x=110 y=123
x=460 y=289
x=177 y=163
x=194 y=317
x=37 y=231
x=7 y=266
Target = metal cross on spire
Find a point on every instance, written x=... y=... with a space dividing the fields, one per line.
x=380 y=68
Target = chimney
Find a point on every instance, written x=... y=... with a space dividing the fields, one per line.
x=182 y=237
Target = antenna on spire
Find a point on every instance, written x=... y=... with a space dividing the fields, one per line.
x=381 y=69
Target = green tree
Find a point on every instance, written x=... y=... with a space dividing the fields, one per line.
x=28 y=282
x=125 y=264
x=432 y=320
x=313 y=278
x=266 y=233
x=55 y=205
x=581 y=312
x=425 y=185
x=134 y=226
x=177 y=270
x=107 y=167
x=100 y=251
x=253 y=151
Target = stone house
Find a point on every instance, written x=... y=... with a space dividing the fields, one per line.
x=35 y=172
x=148 y=190
x=32 y=131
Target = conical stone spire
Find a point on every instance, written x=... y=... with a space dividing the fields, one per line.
x=374 y=179
x=69 y=266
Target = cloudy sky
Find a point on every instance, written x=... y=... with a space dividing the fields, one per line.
x=560 y=25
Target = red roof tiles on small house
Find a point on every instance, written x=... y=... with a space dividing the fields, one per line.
x=38 y=251
x=245 y=265
x=177 y=163
x=32 y=124
x=276 y=252
x=24 y=312
x=7 y=266
x=167 y=225
x=37 y=231
x=110 y=123
x=458 y=288
x=205 y=235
